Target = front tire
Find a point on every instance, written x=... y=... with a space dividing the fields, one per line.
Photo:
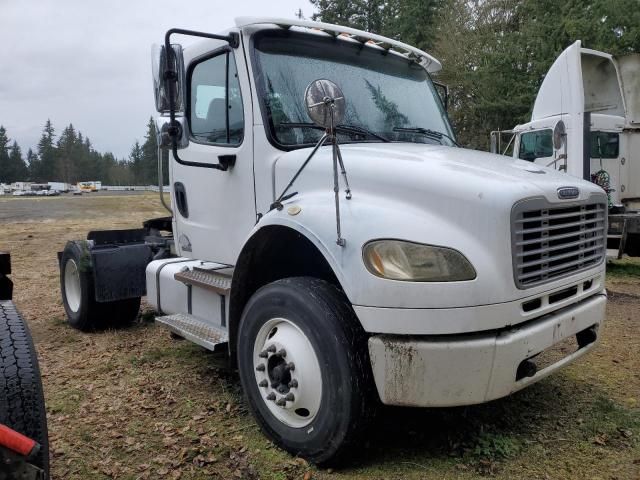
x=78 y=294
x=305 y=369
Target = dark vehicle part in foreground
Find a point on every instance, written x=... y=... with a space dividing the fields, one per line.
x=24 y=441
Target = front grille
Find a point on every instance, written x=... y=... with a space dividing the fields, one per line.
x=551 y=241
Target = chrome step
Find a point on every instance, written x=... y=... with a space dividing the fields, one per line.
x=195 y=330
x=210 y=279
x=613 y=254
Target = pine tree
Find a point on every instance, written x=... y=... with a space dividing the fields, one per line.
x=150 y=156
x=33 y=164
x=137 y=167
x=46 y=167
x=66 y=156
x=340 y=12
x=5 y=170
x=17 y=169
x=414 y=21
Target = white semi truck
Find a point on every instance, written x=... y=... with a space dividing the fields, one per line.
x=586 y=122
x=328 y=233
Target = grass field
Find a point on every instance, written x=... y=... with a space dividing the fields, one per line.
x=136 y=404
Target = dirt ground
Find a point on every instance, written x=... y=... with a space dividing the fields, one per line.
x=136 y=404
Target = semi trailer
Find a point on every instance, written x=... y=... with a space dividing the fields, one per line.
x=586 y=122
x=328 y=234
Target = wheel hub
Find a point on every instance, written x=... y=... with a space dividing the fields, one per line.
x=287 y=372
x=72 y=288
x=279 y=373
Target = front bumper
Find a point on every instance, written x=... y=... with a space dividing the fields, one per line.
x=450 y=370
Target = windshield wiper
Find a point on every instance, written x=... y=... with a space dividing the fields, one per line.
x=339 y=128
x=426 y=132
x=366 y=131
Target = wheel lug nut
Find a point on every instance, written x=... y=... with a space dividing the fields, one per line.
x=290 y=397
x=290 y=367
x=271 y=348
x=293 y=383
x=281 y=402
x=263 y=354
x=271 y=396
x=263 y=383
x=282 y=352
x=261 y=367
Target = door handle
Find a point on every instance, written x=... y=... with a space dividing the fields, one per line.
x=180 y=193
x=226 y=161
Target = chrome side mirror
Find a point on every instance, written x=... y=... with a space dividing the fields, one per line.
x=559 y=135
x=162 y=132
x=325 y=103
x=168 y=68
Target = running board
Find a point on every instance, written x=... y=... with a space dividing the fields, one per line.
x=195 y=330
x=209 y=279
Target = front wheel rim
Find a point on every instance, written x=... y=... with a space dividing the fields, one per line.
x=287 y=372
x=72 y=289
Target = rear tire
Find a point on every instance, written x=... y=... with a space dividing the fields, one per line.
x=21 y=399
x=78 y=294
x=314 y=352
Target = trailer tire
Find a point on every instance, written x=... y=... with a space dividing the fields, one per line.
x=78 y=294
x=331 y=409
x=21 y=398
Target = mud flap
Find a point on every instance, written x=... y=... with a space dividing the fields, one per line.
x=119 y=271
x=6 y=285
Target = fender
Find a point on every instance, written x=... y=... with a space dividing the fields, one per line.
x=365 y=218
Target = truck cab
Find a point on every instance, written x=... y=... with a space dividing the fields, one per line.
x=329 y=234
x=586 y=122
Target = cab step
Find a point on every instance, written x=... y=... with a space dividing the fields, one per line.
x=212 y=280
x=194 y=330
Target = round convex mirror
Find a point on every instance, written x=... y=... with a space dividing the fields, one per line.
x=322 y=97
x=559 y=135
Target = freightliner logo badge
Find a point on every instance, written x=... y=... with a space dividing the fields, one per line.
x=568 y=192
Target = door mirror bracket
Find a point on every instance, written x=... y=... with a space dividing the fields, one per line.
x=169 y=82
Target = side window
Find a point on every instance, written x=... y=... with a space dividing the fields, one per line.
x=605 y=145
x=536 y=145
x=216 y=114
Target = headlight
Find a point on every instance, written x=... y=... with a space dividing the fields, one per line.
x=401 y=260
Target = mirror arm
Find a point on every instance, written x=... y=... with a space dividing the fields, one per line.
x=175 y=129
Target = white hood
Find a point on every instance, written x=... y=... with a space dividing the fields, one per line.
x=432 y=171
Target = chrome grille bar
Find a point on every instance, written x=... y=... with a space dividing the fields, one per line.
x=552 y=240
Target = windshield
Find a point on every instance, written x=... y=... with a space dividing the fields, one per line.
x=384 y=92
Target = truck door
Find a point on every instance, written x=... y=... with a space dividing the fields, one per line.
x=606 y=163
x=215 y=209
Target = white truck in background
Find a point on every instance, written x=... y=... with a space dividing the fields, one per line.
x=327 y=232
x=586 y=122
x=62 y=187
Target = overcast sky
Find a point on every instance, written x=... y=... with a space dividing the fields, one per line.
x=88 y=62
